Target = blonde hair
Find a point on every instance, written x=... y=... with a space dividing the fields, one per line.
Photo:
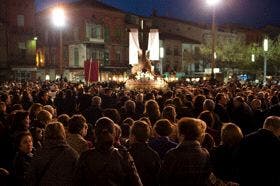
x=191 y=128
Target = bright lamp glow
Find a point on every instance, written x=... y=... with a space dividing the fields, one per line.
x=161 y=52
x=265 y=45
x=212 y=2
x=58 y=17
x=253 y=58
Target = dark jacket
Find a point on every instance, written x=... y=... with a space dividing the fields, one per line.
x=161 y=145
x=112 y=167
x=54 y=164
x=259 y=159
x=147 y=162
x=187 y=164
x=21 y=165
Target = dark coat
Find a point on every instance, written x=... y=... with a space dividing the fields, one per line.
x=259 y=159
x=147 y=162
x=21 y=165
x=112 y=167
x=54 y=164
x=187 y=164
x=161 y=145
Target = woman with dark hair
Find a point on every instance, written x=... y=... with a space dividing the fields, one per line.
x=152 y=111
x=24 y=146
x=55 y=163
x=104 y=164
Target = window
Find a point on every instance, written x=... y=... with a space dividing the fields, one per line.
x=76 y=57
x=106 y=58
x=20 y=20
x=94 y=31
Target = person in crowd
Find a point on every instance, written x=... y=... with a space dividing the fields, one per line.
x=152 y=111
x=169 y=113
x=113 y=114
x=50 y=109
x=209 y=105
x=221 y=107
x=64 y=119
x=77 y=128
x=44 y=117
x=139 y=108
x=94 y=112
x=259 y=155
x=21 y=122
x=147 y=160
x=34 y=110
x=56 y=162
x=69 y=103
x=37 y=131
x=26 y=100
x=224 y=156
x=198 y=104
x=105 y=164
x=44 y=98
x=188 y=163
x=161 y=143
x=258 y=114
x=208 y=118
x=24 y=146
x=242 y=115
x=129 y=110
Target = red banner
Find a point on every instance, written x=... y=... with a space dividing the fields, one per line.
x=91 y=70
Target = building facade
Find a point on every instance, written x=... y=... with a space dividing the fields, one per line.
x=18 y=42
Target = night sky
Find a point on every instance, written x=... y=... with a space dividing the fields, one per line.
x=253 y=13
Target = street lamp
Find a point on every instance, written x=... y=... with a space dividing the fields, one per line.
x=265 y=49
x=58 y=18
x=213 y=4
x=253 y=58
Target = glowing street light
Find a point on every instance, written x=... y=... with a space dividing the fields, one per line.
x=213 y=4
x=59 y=20
x=253 y=58
x=265 y=49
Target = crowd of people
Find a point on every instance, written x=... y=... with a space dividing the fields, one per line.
x=61 y=133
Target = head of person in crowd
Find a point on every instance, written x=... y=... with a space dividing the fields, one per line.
x=191 y=129
x=256 y=104
x=139 y=98
x=207 y=117
x=105 y=133
x=54 y=132
x=6 y=98
x=96 y=101
x=37 y=131
x=44 y=116
x=169 y=112
x=147 y=120
x=168 y=102
x=238 y=101
x=152 y=108
x=113 y=114
x=209 y=104
x=125 y=130
x=129 y=106
x=21 y=120
x=64 y=119
x=274 y=100
x=272 y=123
x=163 y=128
x=139 y=132
x=198 y=102
x=221 y=99
x=149 y=96
x=3 y=107
x=43 y=96
x=231 y=135
x=78 y=125
x=177 y=102
x=50 y=109
x=24 y=143
x=128 y=121
x=34 y=110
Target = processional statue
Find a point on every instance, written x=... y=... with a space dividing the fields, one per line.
x=143 y=47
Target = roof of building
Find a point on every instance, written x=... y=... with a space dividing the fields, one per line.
x=178 y=38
